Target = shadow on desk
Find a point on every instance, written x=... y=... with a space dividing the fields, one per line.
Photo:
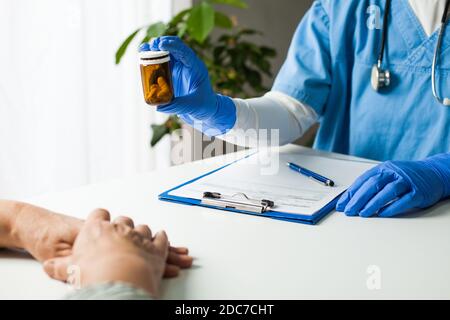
x=179 y=288
x=434 y=211
x=438 y=209
x=15 y=254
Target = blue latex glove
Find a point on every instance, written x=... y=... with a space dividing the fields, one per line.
x=394 y=187
x=195 y=101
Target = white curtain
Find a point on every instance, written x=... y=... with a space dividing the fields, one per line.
x=68 y=115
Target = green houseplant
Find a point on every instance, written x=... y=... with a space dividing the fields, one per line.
x=235 y=64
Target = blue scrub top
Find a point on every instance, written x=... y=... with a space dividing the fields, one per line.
x=329 y=68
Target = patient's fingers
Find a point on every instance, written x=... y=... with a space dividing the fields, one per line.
x=99 y=215
x=144 y=231
x=124 y=220
x=63 y=249
x=64 y=253
x=171 y=271
x=180 y=260
x=57 y=268
x=161 y=242
x=179 y=250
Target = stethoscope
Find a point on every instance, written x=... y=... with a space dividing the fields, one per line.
x=381 y=78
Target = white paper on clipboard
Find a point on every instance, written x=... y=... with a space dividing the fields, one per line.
x=291 y=191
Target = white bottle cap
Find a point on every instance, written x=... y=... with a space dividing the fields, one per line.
x=154 y=57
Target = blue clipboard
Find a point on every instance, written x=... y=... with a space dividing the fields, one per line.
x=277 y=215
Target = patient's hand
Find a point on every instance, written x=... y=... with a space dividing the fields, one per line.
x=118 y=252
x=45 y=234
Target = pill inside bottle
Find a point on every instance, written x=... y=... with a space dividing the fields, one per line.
x=156 y=77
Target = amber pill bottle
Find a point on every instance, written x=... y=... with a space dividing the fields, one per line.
x=156 y=77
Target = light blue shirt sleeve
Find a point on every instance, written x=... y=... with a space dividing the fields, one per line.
x=306 y=73
x=109 y=291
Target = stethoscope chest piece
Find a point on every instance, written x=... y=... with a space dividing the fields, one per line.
x=380 y=78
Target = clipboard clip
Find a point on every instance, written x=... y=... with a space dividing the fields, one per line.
x=238 y=201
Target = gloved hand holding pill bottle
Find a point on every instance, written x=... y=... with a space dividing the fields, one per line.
x=193 y=97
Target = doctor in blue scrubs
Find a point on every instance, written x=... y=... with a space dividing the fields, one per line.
x=374 y=73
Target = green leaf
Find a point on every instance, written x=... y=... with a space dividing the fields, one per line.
x=146 y=39
x=217 y=53
x=173 y=123
x=179 y=17
x=156 y=30
x=182 y=28
x=159 y=131
x=222 y=21
x=235 y=3
x=201 y=21
x=248 y=32
x=268 y=52
x=254 y=78
x=262 y=64
x=123 y=48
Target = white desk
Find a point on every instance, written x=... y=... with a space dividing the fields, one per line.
x=240 y=256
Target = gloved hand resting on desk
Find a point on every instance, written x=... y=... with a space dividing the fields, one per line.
x=394 y=187
x=195 y=100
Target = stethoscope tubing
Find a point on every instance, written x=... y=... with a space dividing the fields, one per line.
x=437 y=51
x=434 y=65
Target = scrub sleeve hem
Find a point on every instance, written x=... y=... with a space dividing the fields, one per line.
x=109 y=291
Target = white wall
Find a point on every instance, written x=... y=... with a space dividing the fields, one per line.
x=68 y=115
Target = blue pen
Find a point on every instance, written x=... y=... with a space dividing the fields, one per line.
x=312 y=175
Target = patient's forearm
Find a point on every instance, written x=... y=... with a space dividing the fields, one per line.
x=43 y=233
x=9 y=211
